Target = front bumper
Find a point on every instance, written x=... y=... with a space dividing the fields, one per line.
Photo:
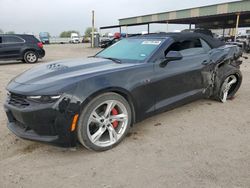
x=42 y=122
x=21 y=132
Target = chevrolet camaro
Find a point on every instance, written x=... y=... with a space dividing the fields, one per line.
x=96 y=100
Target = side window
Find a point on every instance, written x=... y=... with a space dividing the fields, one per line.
x=205 y=45
x=0 y=40
x=12 y=39
x=187 y=47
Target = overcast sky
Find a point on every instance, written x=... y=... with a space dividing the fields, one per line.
x=55 y=16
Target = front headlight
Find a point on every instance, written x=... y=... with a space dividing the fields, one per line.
x=44 y=98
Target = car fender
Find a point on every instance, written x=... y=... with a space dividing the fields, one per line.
x=224 y=71
x=26 y=49
x=121 y=91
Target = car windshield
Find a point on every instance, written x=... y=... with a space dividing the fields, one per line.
x=131 y=49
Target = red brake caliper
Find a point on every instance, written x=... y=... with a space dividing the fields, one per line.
x=114 y=112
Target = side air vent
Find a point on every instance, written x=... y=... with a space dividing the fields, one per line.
x=56 y=66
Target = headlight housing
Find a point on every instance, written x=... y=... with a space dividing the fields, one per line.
x=44 y=98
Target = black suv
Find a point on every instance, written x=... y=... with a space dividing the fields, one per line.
x=21 y=47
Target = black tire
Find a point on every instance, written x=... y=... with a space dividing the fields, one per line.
x=83 y=128
x=225 y=72
x=30 y=57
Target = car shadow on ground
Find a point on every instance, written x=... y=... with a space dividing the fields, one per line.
x=20 y=62
x=11 y=62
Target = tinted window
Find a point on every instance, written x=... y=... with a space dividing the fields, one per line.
x=131 y=49
x=30 y=38
x=11 y=39
x=0 y=39
x=187 y=47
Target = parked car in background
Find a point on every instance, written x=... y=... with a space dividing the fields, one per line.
x=74 y=38
x=245 y=39
x=108 y=41
x=44 y=37
x=21 y=47
x=96 y=100
x=86 y=39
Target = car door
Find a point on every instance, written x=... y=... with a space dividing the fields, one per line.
x=11 y=46
x=181 y=81
x=1 y=47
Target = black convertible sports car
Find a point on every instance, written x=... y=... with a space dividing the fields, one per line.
x=96 y=100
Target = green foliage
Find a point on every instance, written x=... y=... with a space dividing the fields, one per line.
x=88 y=31
x=10 y=32
x=66 y=34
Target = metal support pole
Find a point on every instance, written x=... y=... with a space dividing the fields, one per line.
x=223 y=32
x=236 y=27
x=120 y=29
x=148 y=28
x=167 y=26
x=93 y=29
x=190 y=26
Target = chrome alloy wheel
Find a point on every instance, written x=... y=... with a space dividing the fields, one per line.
x=226 y=86
x=107 y=123
x=31 y=57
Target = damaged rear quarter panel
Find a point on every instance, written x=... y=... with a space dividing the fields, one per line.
x=219 y=57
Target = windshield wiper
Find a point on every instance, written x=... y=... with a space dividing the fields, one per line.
x=111 y=58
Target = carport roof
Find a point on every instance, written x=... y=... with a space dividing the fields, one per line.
x=214 y=16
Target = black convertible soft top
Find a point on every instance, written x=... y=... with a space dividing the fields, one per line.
x=213 y=42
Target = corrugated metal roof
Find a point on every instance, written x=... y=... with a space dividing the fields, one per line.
x=213 y=16
x=223 y=8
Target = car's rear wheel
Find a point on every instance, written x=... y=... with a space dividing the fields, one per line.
x=104 y=122
x=229 y=87
x=30 y=57
x=228 y=83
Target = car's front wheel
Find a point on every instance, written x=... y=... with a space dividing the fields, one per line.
x=104 y=122
x=30 y=57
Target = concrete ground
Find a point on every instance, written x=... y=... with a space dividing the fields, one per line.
x=202 y=144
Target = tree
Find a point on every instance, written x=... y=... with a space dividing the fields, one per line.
x=88 y=31
x=10 y=32
x=1 y=31
x=66 y=34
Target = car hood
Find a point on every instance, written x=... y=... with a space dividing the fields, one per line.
x=60 y=71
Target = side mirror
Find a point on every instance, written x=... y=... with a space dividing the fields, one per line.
x=171 y=56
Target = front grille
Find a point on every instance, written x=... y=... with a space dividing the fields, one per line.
x=18 y=100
